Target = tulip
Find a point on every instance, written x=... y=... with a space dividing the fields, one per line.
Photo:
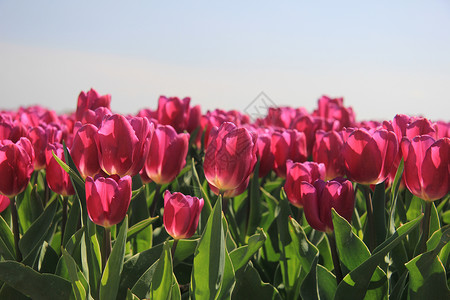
x=195 y=115
x=426 y=170
x=107 y=199
x=288 y=144
x=38 y=138
x=91 y=101
x=328 y=150
x=84 y=151
x=181 y=214
x=230 y=157
x=16 y=166
x=333 y=109
x=266 y=157
x=320 y=197
x=167 y=154
x=4 y=202
x=298 y=172
x=58 y=180
x=368 y=158
x=123 y=145
x=173 y=111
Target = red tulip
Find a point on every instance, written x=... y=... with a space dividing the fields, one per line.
x=427 y=169
x=123 y=145
x=328 y=150
x=320 y=197
x=288 y=144
x=173 y=111
x=195 y=115
x=58 y=180
x=16 y=166
x=181 y=214
x=4 y=202
x=91 y=101
x=265 y=154
x=230 y=157
x=107 y=199
x=84 y=151
x=369 y=157
x=298 y=172
x=333 y=109
x=167 y=154
x=38 y=138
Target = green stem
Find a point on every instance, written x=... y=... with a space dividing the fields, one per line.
x=174 y=247
x=15 y=220
x=64 y=218
x=426 y=226
x=106 y=247
x=335 y=256
x=369 y=209
x=156 y=199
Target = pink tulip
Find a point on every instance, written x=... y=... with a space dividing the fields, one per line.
x=167 y=154
x=58 y=180
x=265 y=155
x=320 y=197
x=288 y=144
x=181 y=214
x=107 y=199
x=173 y=111
x=123 y=145
x=38 y=138
x=298 y=172
x=328 y=150
x=369 y=157
x=230 y=157
x=16 y=166
x=427 y=169
x=91 y=101
x=84 y=151
x=4 y=202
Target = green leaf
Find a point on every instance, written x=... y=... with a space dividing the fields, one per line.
x=229 y=280
x=33 y=284
x=250 y=286
x=7 y=249
x=326 y=283
x=111 y=274
x=140 y=231
x=254 y=216
x=356 y=283
x=209 y=258
x=176 y=293
x=242 y=255
x=91 y=258
x=23 y=205
x=73 y=272
x=131 y=296
x=427 y=274
x=140 y=226
x=32 y=240
x=379 y=213
x=161 y=284
x=394 y=195
x=185 y=248
x=142 y=286
x=200 y=192
x=72 y=220
x=75 y=240
x=75 y=175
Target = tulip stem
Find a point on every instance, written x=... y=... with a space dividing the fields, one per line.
x=335 y=256
x=425 y=226
x=369 y=209
x=64 y=218
x=174 y=247
x=15 y=224
x=106 y=249
x=156 y=199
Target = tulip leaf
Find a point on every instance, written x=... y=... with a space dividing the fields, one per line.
x=250 y=286
x=229 y=280
x=379 y=213
x=209 y=258
x=73 y=174
x=185 y=248
x=131 y=296
x=33 y=284
x=75 y=240
x=23 y=205
x=254 y=215
x=176 y=293
x=91 y=259
x=394 y=195
x=358 y=282
x=200 y=192
x=161 y=283
x=72 y=220
x=140 y=231
x=80 y=288
x=142 y=286
x=139 y=227
x=111 y=274
x=434 y=241
x=242 y=255
x=32 y=240
x=7 y=249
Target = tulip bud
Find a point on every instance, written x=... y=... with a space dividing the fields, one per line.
x=58 y=180
x=230 y=157
x=167 y=154
x=298 y=172
x=181 y=214
x=16 y=166
x=320 y=197
x=426 y=170
x=107 y=199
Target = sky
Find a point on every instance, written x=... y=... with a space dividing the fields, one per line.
x=384 y=57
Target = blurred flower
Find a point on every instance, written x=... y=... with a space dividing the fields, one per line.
x=320 y=197
x=107 y=199
x=328 y=150
x=181 y=214
x=167 y=154
x=230 y=157
x=334 y=109
x=173 y=111
x=90 y=101
x=298 y=172
x=265 y=155
x=288 y=144
x=58 y=180
x=427 y=169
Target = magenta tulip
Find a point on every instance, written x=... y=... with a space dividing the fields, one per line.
x=265 y=155
x=288 y=144
x=328 y=150
x=298 y=172
x=320 y=197
x=84 y=151
x=91 y=101
x=369 y=157
x=167 y=154
x=58 y=180
x=123 y=145
x=4 y=202
x=173 y=111
x=426 y=170
x=107 y=199
x=181 y=214
x=230 y=157
x=16 y=166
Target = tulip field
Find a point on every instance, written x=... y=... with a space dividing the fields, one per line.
x=178 y=203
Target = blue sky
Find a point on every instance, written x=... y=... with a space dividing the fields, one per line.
x=384 y=58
